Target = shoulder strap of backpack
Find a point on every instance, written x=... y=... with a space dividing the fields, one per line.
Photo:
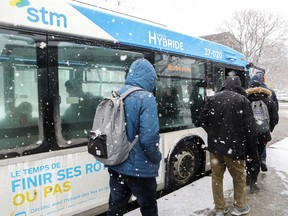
x=133 y=142
x=130 y=90
x=125 y=94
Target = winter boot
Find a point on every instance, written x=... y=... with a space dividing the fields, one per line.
x=254 y=187
x=264 y=167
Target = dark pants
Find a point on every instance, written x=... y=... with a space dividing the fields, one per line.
x=123 y=186
x=253 y=167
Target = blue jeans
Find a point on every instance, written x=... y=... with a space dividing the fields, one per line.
x=123 y=186
x=264 y=155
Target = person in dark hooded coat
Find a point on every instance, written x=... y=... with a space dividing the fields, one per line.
x=228 y=119
x=254 y=93
x=259 y=76
x=137 y=175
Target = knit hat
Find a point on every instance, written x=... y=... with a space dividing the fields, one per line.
x=255 y=83
x=258 y=77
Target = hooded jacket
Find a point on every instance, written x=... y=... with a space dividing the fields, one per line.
x=141 y=117
x=228 y=119
x=260 y=78
x=259 y=93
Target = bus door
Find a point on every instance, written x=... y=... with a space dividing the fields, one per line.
x=221 y=72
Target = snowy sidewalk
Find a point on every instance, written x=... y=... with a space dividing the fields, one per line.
x=196 y=198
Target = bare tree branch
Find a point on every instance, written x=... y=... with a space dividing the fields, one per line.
x=256 y=31
x=263 y=39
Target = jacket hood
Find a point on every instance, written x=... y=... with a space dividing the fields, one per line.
x=142 y=74
x=233 y=83
x=258 y=90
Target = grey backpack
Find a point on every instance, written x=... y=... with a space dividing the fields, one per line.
x=261 y=115
x=108 y=141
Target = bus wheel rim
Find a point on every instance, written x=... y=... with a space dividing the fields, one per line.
x=183 y=167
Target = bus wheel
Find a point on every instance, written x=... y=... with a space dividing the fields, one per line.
x=183 y=165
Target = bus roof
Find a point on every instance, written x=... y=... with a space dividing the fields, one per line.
x=89 y=21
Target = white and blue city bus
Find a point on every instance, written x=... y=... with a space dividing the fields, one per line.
x=58 y=59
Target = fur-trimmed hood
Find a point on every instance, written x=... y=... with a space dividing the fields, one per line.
x=258 y=90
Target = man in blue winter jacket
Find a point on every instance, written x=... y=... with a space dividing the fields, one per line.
x=137 y=175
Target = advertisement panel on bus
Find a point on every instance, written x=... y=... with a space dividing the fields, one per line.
x=56 y=185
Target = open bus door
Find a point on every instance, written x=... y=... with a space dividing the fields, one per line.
x=261 y=70
x=217 y=73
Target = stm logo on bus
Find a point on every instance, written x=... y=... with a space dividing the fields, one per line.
x=41 y=14
x=19 y=3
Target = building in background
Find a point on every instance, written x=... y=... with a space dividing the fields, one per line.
x=225 y=38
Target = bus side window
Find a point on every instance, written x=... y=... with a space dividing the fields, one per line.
x=77 y=107
x=19 y=112
x=86 y=74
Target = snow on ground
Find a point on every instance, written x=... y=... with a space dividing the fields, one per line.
x=277 y=157
x=196 y=198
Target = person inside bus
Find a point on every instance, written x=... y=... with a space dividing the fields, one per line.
x=171 y=99
x=227 y=117
x=82 y=104
x=21 y=116
x=196 y=102
x=137 y=175
x=169 y=106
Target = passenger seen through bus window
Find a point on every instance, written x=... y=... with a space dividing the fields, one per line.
x=171 y=101
x=196 y=102
x=20 y=116
x=82 y=104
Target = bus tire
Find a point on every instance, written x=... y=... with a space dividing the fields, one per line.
x=183 y=165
